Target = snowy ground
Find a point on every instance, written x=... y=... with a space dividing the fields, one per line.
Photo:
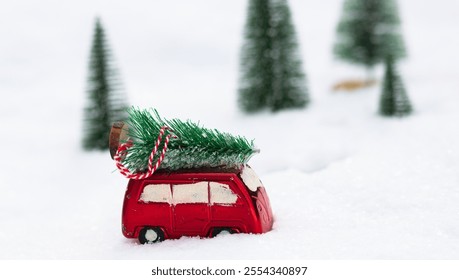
x=347 y=185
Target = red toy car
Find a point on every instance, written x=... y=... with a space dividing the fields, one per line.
x=169 y=205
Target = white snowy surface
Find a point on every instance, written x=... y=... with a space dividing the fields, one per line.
x=344 y=183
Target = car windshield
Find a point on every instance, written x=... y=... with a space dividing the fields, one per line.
x=250 y=179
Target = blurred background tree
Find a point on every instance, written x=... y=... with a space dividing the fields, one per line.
x=369 y=31
x=106 y=101
x=289 y=85
x=256 y=61
x=271 y=68
x=394 y=100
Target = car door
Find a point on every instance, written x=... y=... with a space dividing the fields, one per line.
x=227 y=207
x=190 y=208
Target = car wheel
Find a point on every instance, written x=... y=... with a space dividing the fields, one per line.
x=150 y=235
x=222 y=231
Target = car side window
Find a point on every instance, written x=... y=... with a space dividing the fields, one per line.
x=156 y=193
x=221 y=194
x=190 y=193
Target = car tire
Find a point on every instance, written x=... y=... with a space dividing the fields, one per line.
x=150 y=235
x=222 y=231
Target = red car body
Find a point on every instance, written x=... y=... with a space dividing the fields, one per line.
x=169 y=205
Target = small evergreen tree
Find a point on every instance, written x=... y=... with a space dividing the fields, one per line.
x=369 y=30
x=289 y=85
x=272 y=75
x=105 y=97
x=256 y=61
x=394 y=100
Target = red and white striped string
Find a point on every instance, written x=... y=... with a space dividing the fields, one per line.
x=122 y=151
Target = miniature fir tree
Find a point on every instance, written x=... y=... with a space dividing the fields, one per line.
x=289 y=85
x=271 y=68
x=394 y=100
x=256 y=61
x=105 y=97
x=192 y=146
x=369 y=30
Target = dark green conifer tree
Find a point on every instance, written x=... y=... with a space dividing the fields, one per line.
x=289 y=84
x=256 y=62
x=369 y=30
x=271 y=68
x=394 y=100
x=106 y=102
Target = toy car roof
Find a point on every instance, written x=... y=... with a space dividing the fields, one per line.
x=222 y=169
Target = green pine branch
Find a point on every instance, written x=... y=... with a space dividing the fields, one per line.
x=192 y=147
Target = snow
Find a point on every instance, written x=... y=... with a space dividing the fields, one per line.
x=343 y=182
x=250 y=179
x=191 y=193
x=221 y=194
x=156 y=193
